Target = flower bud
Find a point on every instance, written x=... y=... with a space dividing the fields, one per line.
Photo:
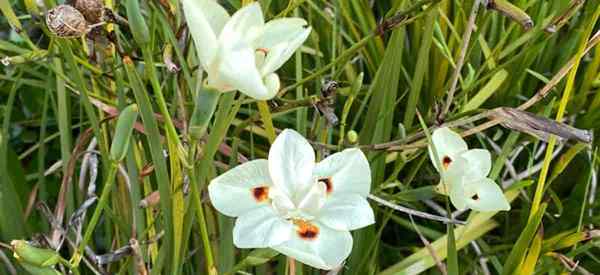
x=40 y=257
x=137 y=24
x=65 y=21
x=206 y=103
x=352 y=137
x=123 y=132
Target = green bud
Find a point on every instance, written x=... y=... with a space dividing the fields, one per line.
x=137 y=24
x=352 y=137
x=39 y=257
x=357 y=84
x=206 y=103
x=125 y=124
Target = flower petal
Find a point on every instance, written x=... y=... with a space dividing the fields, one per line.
x=325 y=250
x=448 y=145
x=281 y=38
x=479 y=163
x=348 y=172
x=261 y=227
x=346 y=212
x=313 y=200
x=485 y=195
x=246 y=24
x=237 y=68
x=453 y=179
x=272 y=83
x=291 y=161
x=205 y=19
x=237 y=191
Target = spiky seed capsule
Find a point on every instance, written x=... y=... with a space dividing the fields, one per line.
x=66 y=21
x=92 y=10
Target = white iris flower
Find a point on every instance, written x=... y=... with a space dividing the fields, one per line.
x=465 y=173
x=300 y=208
x=242 y=52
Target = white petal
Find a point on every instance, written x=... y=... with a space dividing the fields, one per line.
x=278 y=54
x=246 y=24
x=272 y=83
x=453 y=179
x=281 y=30
x=261 y=227
x=205 y=19
x=347 y=212
x=291 y=161
x=485 y=195
x=313 y=200
x=479 y=163
x=237 y=68
x=326 y=251
x=232 y=193
x=447 y=144
x=348 y=172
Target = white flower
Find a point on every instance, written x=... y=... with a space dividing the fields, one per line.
x=242 y=52
x=301 y=209
x=465 y=173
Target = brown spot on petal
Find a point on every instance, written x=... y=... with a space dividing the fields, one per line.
x=475 y=197
x=328 y=184
x=306 y=230
x=260 y=193
x=446 y=161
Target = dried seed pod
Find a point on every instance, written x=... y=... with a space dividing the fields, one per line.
x=65 y=21
x=92 y=10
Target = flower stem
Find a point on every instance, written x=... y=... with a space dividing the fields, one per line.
x=267 y=119
x=210 y=263
x=110 y=180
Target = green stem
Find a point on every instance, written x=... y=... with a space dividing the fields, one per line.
x=210 y=263
x=267 y=118
x=110 y=180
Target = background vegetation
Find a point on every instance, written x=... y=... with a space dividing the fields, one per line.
x=390 y=59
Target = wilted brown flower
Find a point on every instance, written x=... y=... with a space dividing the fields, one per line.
x=66 y=21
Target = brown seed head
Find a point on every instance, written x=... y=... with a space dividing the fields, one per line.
x=65 y=21
x=92 y=10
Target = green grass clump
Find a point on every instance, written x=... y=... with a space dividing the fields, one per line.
x=451 y=62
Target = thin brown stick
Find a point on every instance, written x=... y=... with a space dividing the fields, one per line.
x=461 y=58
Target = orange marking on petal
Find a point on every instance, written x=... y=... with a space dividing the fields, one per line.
x=306 y=230
x=260 y=193
x=328 y=184
x=446 y=161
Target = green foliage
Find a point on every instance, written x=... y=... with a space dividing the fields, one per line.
x=391 y=60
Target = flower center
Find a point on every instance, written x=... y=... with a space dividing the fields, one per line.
x=306 y=230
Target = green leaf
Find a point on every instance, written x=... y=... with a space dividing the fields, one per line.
x=486 y=92
x=517 y=254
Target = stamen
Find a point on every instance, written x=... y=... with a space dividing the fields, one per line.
x=260 y=193
x=306 y=230
x=328 y=183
